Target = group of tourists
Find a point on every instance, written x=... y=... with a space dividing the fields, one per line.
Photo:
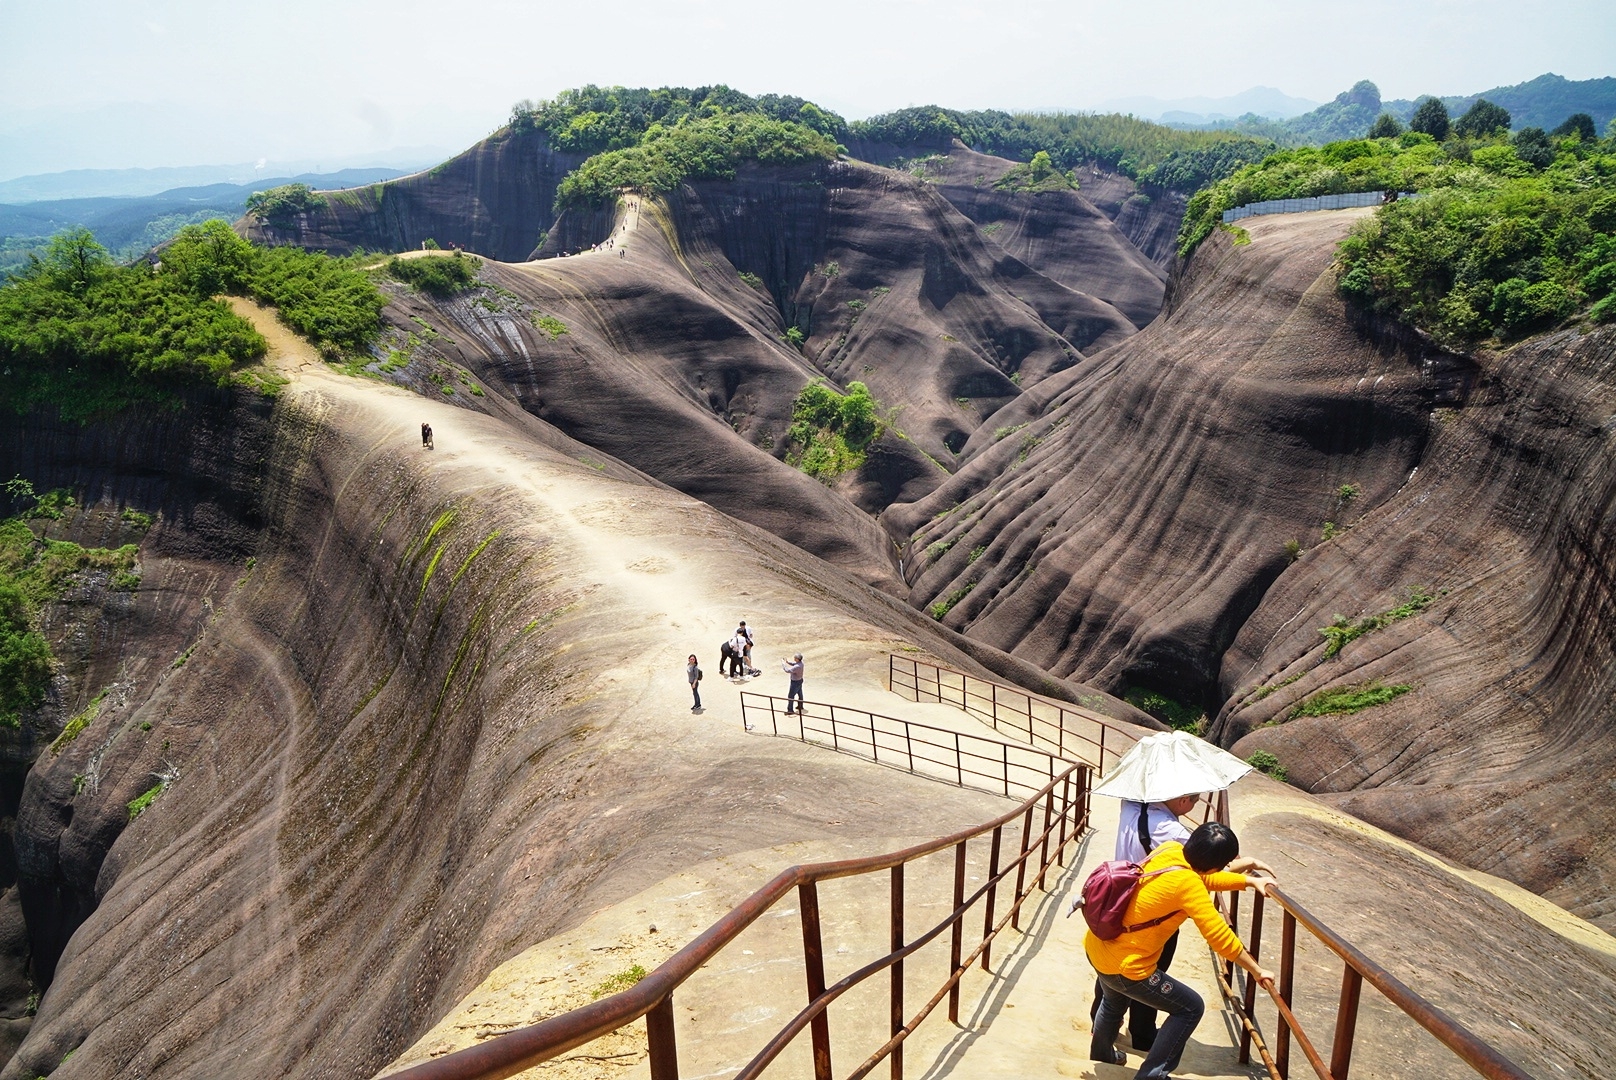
x=735 y=664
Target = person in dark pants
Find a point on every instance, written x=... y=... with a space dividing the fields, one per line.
x=1180 y=886
x=693 y=673
x=793 y=669
x=1141 y=829
x=426 y=436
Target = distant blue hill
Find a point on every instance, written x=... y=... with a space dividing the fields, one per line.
x=128 y=226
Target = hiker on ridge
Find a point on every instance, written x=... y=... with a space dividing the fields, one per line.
x=1177 y=883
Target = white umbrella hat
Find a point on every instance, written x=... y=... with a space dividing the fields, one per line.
x=1167 y=765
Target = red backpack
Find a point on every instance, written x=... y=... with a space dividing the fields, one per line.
x=1107 y=894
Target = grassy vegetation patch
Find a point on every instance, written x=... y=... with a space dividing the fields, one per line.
x=139 y=803
x=1265 y=762
x=75 y=727
x=1036 y=176
x=616 y=984
x=1175 y=714
x=439 y=275
x=830 y=432
x=549 y=324
x=944 y=605
x=34 y=571
x=1349 y=699
x=1343 y=631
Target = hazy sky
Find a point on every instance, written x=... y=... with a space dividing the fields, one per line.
x=126 y=83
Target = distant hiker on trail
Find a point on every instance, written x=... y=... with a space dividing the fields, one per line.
x=793 y=668
x=426 y=436
x=746 y=650
x=693 y=673
x=1128 y=964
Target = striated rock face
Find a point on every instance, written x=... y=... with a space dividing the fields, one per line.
x=494 y=199
x=1140 y=531
x=1500 y=754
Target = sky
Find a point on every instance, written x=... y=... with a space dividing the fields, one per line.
x=149 y=83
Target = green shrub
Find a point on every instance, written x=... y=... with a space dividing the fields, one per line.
x=830 y=432
x=1348 y=699
x=1036 y=176
x=281 y=204
x=138 y=805
x=1174 y=714
x=549 y=324
x=1342 y=631
x=136 y=518
x=943 y=606
x=329 y=301
x=440 y=275
x=709 y=147
x=1265 y=762
x=75 y=727
x=751 y=280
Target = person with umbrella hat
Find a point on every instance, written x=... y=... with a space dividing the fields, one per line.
x=1159 y=781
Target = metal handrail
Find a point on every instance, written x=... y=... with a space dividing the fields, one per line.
x=1064 y=803
x=1004 y=707
x=1357 y=968
x=957 y=758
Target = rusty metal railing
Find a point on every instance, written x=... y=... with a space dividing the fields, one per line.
x=1041 y=828
x=1069 y=732
x=1013 y=770
x=1357 y=968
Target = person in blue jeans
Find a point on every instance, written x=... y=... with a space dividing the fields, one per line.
x=793 y=669
x=693 y=674
x=1183 y=878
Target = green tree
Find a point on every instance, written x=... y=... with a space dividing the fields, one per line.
x=1532 y=146
x=1578 y=124
x=1430 y=118
x=209 y=259
x=73 y=261
x=1483 y=118
x=1385 y=127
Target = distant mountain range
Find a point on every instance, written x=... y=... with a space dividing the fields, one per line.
x=1543 y=102
x=127 y=226
x=1262 y=101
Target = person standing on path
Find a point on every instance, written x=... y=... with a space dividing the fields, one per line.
x=745 y=635
x=426 y=436
x=693 y=673
x=793 y=668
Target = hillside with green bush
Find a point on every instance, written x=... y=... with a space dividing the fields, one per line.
x=1510 y=234
x=89 y=336
x=702 y=148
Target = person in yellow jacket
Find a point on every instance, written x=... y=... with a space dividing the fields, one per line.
x=1128 y=964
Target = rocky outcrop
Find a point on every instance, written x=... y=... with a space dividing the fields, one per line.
x=496 y=199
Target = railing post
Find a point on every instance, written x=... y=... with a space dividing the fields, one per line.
x=909 y=746
x=993 y=887
x=1066 y=807
x=1287 y=974
x=1021 y=868
x=1043 y=851
x=834 y=743
x=897 y=969
x=1100 y=765
x=959 y=930
x=659 y=1036
x=959 y=762
x=1346 y=1022
x=875 y=748
x=813 y=962
x=1255 y=948
x=1005 y=748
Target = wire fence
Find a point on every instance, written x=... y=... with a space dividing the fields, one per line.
x=1316 y=202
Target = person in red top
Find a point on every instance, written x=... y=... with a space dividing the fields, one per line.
x=1129 y=964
